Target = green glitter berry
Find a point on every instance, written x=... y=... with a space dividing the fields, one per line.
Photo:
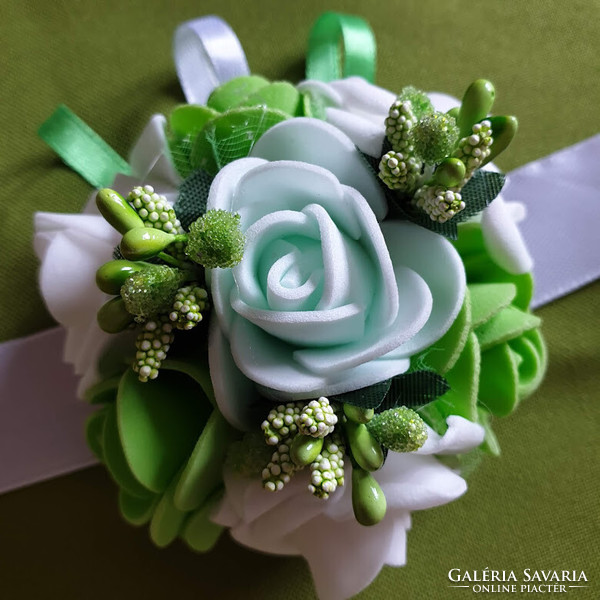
x=435 y=137
x=399 y=429
x=150 y=291
x=216 y=240
x=419 y=100
x=249 y=455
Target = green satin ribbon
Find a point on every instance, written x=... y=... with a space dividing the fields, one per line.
x=340 y=46
x=81 y=148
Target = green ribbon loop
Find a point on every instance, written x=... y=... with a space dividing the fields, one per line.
x=81 y=148
x=340 y=46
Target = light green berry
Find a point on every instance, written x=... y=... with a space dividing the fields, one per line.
x=399 y=170
x=280 y=469
x=216 y=240
x=280 y=423
x=189 y=304
x=399 y=124
x=399 y=429
x=474 y=149
x=152 y=345
x=154 y=209
x=327 y=471
x=439 y=202
x=317 y=418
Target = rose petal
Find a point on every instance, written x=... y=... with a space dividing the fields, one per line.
x=318 y=143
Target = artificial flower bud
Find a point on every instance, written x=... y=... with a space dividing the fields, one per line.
x=365 y=449
x=142 y=243
x=112 y=275
x=358 y=414
x=476 y=104
x=113 y=316
x=305 y=449
x=117 y=211
x=368 y=500
x=450 y=172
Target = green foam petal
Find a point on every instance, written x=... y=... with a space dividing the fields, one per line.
x=279 y=95
x=114 y=458
x=231 y=136
x=136 y=511
x=488 y=299
x=532 y=350
x=199 y=532
x=443 y=355
x=232 y=92
x=94 y=433
x=203 y=471
x=463 y=379
x=490 y=443
x=189 y=119
x=506 y=325
x=498 y=385
x=103 y=392
x=159 y=423
x=167 y=520
x=196 y=367
x=470 y=240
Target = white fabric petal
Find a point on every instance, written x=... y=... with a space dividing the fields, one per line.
x=366 y=134
x=462 y=435
x=319 y=143
x=360 y=96
x=443 y=102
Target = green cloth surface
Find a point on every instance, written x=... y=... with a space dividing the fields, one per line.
x=537 y=507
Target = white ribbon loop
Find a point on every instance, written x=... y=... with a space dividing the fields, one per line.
x=207 y=53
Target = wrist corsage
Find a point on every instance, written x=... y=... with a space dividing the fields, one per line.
x=310 y=302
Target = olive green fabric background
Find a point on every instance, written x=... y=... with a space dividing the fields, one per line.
x=537 y=507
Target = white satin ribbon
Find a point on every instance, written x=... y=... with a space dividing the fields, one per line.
x=562 y=228
x=207 y=53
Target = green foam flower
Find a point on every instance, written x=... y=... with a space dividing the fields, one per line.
x=494 y=355
x=164 y=450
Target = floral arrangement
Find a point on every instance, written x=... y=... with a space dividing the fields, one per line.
x=310 y=302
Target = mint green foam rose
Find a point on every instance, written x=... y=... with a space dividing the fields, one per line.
x=328 y=298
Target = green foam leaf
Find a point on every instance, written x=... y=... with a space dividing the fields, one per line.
x=103 y=392
x=279 y=95
x=488 y=299
x=159 y=423
x=234 y=91
x=498 y=386
x=114 y=458
x=94 y=432
x=195 y=366
x=199 y=532
x=461 y=399
x=442 y=356
x=167 y=520
x=506 y=325
x=189 y=119
x=136 y=511
x=203 y=471
x=490 y=443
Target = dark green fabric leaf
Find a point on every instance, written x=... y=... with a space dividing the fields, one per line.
x=367 y=397
x=193 y=194
x=479 y=192
x=414 y=389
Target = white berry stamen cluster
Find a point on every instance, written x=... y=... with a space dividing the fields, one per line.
x=399 y=171
x=279 y=471
x=280 y=423
x=154 y=209
x=190 y=301
x=440 y=203
x=475 y=148
x=398 y=125
x=152 y=345
x=317 y=418
x=327 y=471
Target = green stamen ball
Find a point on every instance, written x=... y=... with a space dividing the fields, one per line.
x=399 y=429
x=475 y=148
x=150 y=291
x=281 y=468
x=152 y=345
x=190 y=302
x=435 y=137
x=440 y=203
x=281 y=423
x=421 y=104
x=399 y=171
x=154 y=209
x=216 y=240
x=327 y=471
x=317 y=418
